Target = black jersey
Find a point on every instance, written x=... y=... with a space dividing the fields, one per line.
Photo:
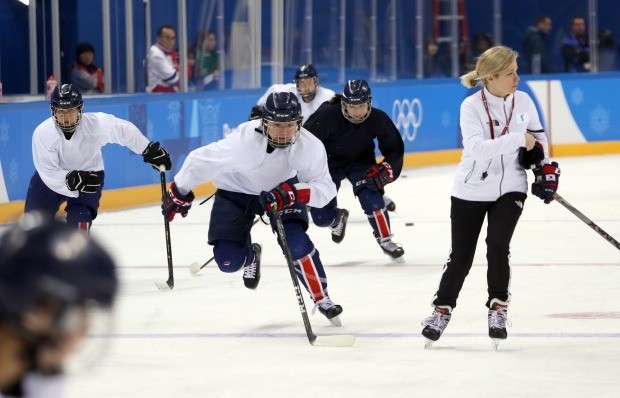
x=347 y=143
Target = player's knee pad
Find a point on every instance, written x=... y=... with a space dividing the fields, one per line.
x=298 y=241
x=324 y=217
x=370 y=200
x=230 y=256
x=79 y=216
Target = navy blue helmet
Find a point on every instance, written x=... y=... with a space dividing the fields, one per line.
x=65 y=97
x=307 y=72
x=355 y=93
x=46 y=264
x=281 y=107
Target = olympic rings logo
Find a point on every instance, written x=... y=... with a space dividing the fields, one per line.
x=407 y=114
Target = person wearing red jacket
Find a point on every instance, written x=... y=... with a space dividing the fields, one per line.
x=86 y=76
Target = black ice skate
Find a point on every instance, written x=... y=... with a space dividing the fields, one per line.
x=435 y=324
x=391 y=248
x=389 y=204
x=339 y=229
x=498 y=319
x=251 y=272
x=330 y=310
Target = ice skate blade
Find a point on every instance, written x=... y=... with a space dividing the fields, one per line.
x=398 y=260
x=194 y=268
x=428 y=343
x=335 y=321
x=495 y=343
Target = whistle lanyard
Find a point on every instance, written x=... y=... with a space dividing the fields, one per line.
x=486 y=107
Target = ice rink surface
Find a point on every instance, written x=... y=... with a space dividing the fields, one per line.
x=212 y=337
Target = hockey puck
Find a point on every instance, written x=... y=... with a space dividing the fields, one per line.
x=409 y=224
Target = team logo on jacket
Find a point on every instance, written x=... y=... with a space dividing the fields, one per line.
x=407 y=116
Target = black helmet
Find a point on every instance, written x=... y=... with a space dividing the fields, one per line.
x=50 y=268
x=66 y=97
x=356 y=92
x=281 y=107
x=307 y=72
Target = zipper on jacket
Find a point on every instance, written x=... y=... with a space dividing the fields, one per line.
x=502 y=179
x=468 y=176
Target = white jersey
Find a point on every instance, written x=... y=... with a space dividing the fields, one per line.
x=307 y=108
x=54 y=155
x=35 y=385
x=240 y=163
x=489 y=168
x=160 y=67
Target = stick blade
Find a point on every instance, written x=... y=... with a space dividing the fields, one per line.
x=338 y=340
x=194 y=268
x=164 y=286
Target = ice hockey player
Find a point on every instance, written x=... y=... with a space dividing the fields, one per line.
x=66 y=150
x=491 y=183
x=307 y=87
x=266 y=161
x=53 y=279
x=348 y=125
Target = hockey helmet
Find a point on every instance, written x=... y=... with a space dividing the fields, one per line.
x=356 y=93
x=305 y=73
x=281 y=107
x=65 y=98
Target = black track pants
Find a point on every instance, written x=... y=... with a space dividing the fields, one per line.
x=466 y=220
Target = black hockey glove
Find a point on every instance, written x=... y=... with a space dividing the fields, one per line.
x=532 y=158
x=547 y=180
x=379 y=175
x=156 y=155
x=174 y=203
x=83 y=181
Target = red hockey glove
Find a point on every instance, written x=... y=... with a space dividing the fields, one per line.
x=547 y=180
x=379 y=175
x=174 y=203
x=285 y=195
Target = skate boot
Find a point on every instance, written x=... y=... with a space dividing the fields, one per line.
x=251 y=272
x=329 y=309
x=389 y=204
x=391 y=248
x=498 y=319
x=435 y=324
x=339 y=229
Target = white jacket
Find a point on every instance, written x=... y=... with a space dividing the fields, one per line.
x=489 y=168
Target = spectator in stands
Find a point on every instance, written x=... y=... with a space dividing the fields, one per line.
x=575 y=49
x=482 y=42
x=606 y=51
x=436 y=63
x=205 y=73
x=86 y=75
x=536 y=47
x=162 y=63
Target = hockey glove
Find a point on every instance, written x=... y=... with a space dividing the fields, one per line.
x=532 y=158
x=284 y=195
x=156 y=156
x=547 y=180
x=83 y=181
x=174 y=203
x=379 y=175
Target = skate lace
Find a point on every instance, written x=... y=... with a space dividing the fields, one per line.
x=389 y=245
x=337 y=229
x=498 y=318
x=436 y=321
x=325 y=304
x=249 y=271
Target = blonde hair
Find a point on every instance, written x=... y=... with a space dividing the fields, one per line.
x=491 y=62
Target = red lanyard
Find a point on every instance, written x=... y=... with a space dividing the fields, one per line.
x=486 y=107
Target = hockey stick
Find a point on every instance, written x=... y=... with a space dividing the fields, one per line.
x=169 y=284
x=586 y=220
x=206 y=200
x=195 y=267
x=343 y=340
